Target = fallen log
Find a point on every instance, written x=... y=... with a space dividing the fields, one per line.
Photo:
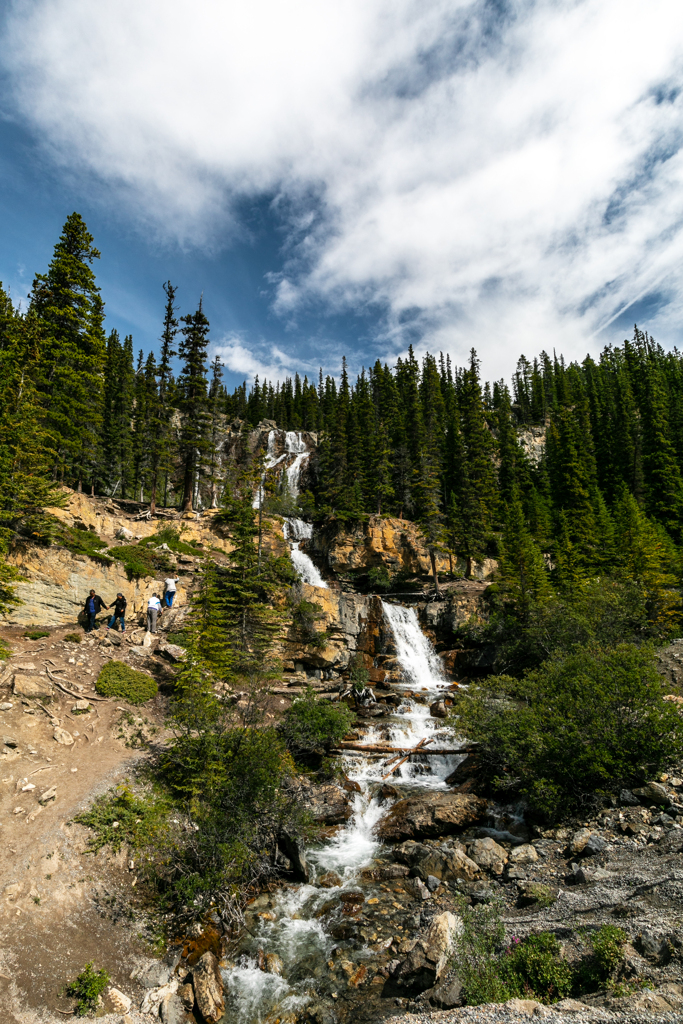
x=399 y=750
x=398 y=764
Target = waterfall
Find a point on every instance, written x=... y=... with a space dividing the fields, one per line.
x=418 y=660
x=296 y=530
x=271 y=460
x=295 y=445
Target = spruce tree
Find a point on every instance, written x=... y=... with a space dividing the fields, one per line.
x=523 y=574
x=161 y=413
x=192 y=392
x=66 y=300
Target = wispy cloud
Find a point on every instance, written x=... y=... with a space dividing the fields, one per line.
x=499 y=174
x=250 y=359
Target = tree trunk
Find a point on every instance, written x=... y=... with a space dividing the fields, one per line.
x=468 y=570
x=153 y=496
x=80 y=485
x=432 y=556
x=187 y=486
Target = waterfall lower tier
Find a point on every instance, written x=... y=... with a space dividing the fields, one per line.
x=309 y=927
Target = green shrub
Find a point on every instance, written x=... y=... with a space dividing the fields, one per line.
x=573 y=729
x=379 y=578
x=139 y=560
x=120 y=681
x=477 y=958
x=87 y=988
x=80 y=540
x=304 y=616
x=36 y=634
x=72 y=638
x=535 y=969
x=171 y=537
x=121 y=817
x=602 y=963
x=312 y=725
x=358 y=674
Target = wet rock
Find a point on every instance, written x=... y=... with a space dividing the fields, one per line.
x=327 y=804
x=394 y=871
x=295 y=851
x=654 y=793
x=525 y=854
x=386 y=793
x=431 y=814
x=438 y=709
x=422 y=968
x=62 y=736
x=330 y=880
x=32 y=687
x=419 y=888
x=274 y=964
x=208 y=988
x=487 y=854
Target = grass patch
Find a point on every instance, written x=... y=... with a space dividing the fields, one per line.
x=36 y=634
x=72 y=638
x=120 y=681
x=80 y=540
x=87 y=988
x=121 y=817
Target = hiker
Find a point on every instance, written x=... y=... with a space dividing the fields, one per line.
x=153 y=609
x=169 y=590
x=120 y=605
x=93 y=605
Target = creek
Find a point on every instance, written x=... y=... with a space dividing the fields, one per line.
x=307 y=926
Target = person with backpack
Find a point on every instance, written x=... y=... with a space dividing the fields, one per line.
x=93 y=606
x=120 y=605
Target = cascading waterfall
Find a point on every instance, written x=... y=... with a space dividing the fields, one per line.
x=296 y=934
x=295 y=445
x=271 y=460
x=296 y=530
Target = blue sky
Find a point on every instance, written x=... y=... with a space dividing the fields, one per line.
x=353 y=177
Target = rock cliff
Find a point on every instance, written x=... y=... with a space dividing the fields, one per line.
x=397 y=544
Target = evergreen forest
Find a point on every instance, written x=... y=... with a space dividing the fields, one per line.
x=422 y=440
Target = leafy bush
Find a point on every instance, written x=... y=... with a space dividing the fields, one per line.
x=606 y=956
x=120 y=681
x=87 y=988
x=172 y=538
x=379 y=578
x=72 y=638
x=80 y=540
x=304 y=616
x=36 y=634
x=121 y=817
x=575 y=728
x=139 y=560
x=535 y=969
x=312 y=725
x=358 y=674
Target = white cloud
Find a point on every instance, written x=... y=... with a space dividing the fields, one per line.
x=260 y=359
x=504 y=176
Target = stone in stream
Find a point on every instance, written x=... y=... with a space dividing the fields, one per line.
x=424 y=965
x=438 y=709
x=443 y=862
x=431 y=815
x=208 y=988
x=327 y=804
x=296 y=852
x=330 y=880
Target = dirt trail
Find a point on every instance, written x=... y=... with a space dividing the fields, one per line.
x=59 y=905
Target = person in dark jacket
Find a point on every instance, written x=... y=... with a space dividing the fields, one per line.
x=120 y=605
x=93 y=605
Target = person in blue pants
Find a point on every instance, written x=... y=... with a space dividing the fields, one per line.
x=169 y=590
x=93 y=605
x=120 y=605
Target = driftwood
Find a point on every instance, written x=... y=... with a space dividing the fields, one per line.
x=78 y=696
x=398 y=764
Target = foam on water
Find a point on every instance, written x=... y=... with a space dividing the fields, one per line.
x=296 y=530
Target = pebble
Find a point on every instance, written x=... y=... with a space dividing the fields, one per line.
x=499 y=1013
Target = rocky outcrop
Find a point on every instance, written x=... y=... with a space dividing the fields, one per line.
x=208 y=988
x=430 y=815
x=446 y=862
x=397 y=544
x=463 y=602
x=425 y=963
x=327 y=804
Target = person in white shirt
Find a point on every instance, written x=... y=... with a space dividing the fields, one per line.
x=153 y=609
x=169 y=590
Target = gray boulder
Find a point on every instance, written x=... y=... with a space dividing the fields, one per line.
x=424 y=965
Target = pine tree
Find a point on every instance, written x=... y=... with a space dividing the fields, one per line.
x=215 y=424
x=192 y=389
x=160 y=414
x=66 y=300
x=523 y=575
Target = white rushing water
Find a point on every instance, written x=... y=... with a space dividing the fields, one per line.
x=297 y=934
x=271 y=460
x=295 y=445
x=296 y=530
